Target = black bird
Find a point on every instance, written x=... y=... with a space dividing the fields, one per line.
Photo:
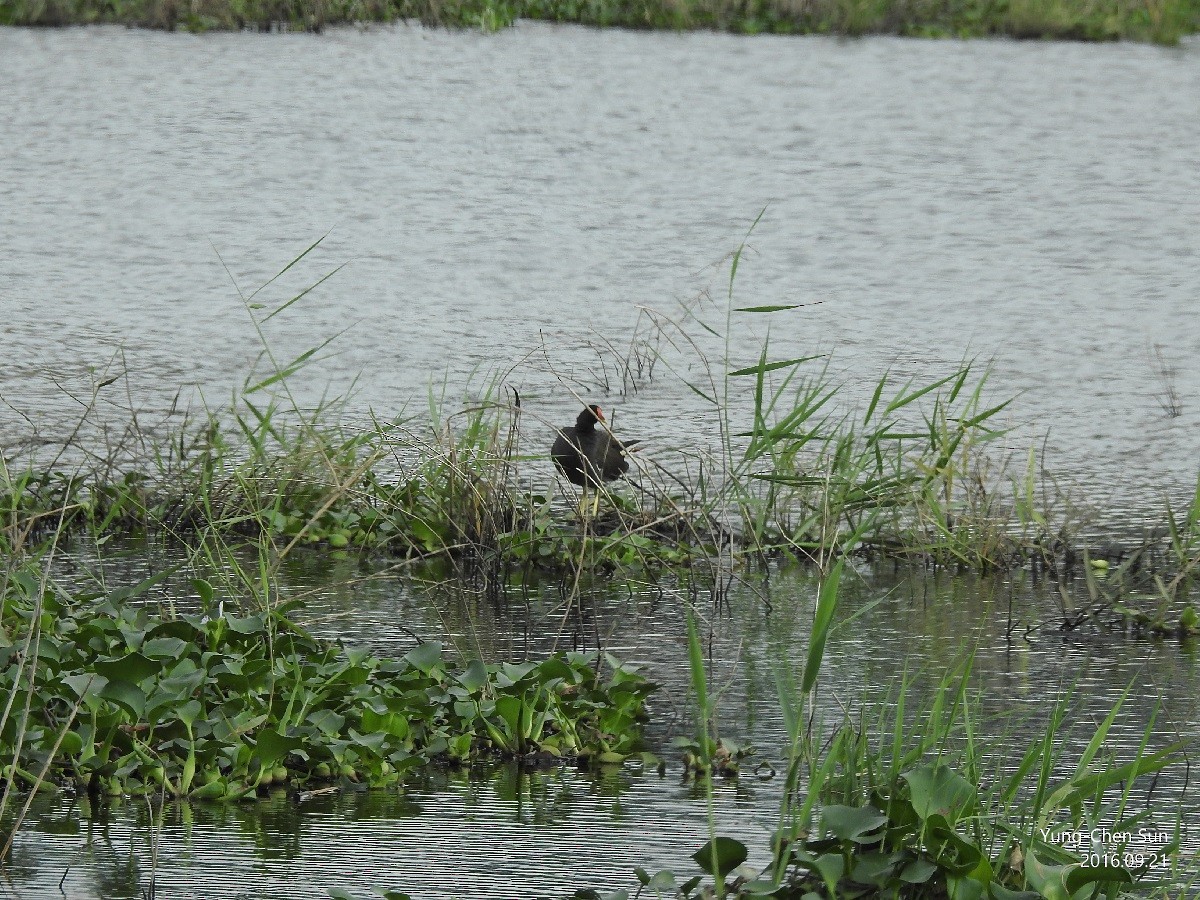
x=587 y=456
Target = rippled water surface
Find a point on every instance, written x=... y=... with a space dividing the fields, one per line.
x=506 y=835
x=514 y=200
x=1036 y=204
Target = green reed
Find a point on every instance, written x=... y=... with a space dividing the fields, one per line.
x=913 y=472
x=907 y=802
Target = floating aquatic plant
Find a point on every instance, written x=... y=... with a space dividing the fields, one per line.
x=223 y=705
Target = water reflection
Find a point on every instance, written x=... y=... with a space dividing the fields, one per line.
x=502 y=832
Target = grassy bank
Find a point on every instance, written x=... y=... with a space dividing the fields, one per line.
x=1160 y=21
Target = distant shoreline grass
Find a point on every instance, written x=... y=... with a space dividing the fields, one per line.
x=1156 y=21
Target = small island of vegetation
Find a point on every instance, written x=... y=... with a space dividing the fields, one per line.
x=215 y=695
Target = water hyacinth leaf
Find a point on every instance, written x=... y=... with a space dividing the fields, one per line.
x=530 y=722
x=183 y=628
x=395 y=725
x=759 y=887
x=231 y=665
x=661 y=883
x=357 y=655
x=464 y=709
x=84 y=685
x=159 y=705
x=509 y=709
x=1082 y=876
x=510 y=673
x=132 y=667
x=213 y=790
x=958 y=888
x=327 y=721
x=203 y=590
x=557 y=667
x=47 y=651
x=352 y=675
x=127 y=695
x=183 y=681
x=246 y=721
x=425 y=657
x=851 y=823
x=830 y=866
x=874 y=868
x=166 y=647
x=244 y=624
x=71 y=744
x=189 y=712
x=918 y=871
x=720 y=856
x=271 y=746
x=28 y=584
x=936 y=789
x=999 y=892
x=951 y=851
x=475 y=676
x=459 y=746
x=401 y=763
x=374 y=742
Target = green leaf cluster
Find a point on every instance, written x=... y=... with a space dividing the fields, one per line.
x=221 y=706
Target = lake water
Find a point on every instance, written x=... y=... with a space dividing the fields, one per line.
x=510 y=202
x=515 y=200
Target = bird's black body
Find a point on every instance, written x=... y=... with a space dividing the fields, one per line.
x=589 y=457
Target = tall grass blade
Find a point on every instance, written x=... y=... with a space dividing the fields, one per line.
x=822 y=622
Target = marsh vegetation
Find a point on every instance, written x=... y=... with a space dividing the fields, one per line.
x=216 y=694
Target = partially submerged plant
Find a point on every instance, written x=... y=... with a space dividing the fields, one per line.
x=906 y=807
x=218 y=705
